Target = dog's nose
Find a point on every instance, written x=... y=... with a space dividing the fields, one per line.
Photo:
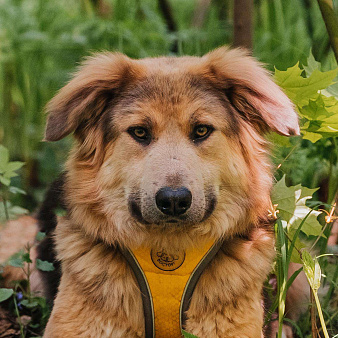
x=173 y=202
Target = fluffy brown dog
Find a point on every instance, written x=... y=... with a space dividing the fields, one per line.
x=168 y=154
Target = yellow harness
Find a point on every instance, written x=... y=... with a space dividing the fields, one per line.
x=167 y=281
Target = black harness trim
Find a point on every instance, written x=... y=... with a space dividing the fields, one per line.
x=193 y=279
x=147 y=300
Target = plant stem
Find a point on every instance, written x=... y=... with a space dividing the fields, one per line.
x=18 y=316
x=287 y=156
x=331 y=23
x=313 y=316
x=6 y=208
x=320 y=314
x=28 y=275
x=282 y=266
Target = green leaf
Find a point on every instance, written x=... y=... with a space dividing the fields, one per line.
x=312 y=270
x=301 y=89
x=279 y=140
x=332 y=90
x=295 y=257
x=9 y=174
x=16 y=260
x=188 y=335
x=5 y=180
x=34 y=326
x=311 y=226
x=330 y=125
x=44 y=265
x=5 y=294
x=26 y=258
x=322 y=118
x=15 y=190
x=12 y=166
x=293 y=209
x=14 y=211
x=313 y=137
x=40 y=236
x=29 y=304
x=312 y=65
x=316 y=109
x=307 y=192
x=317 y=275
x=285 y=198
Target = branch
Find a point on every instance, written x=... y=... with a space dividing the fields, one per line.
x=200 y=13
x=169 y=19
x=331 y=23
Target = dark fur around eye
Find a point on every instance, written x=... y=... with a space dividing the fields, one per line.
x=140 y=134
x=201 y=132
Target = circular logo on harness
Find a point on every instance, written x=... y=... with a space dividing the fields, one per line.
x=167 y=261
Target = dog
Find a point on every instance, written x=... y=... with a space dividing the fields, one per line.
x=169 y=171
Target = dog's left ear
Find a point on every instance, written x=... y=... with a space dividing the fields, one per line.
x=251 y=91
x=83 y=100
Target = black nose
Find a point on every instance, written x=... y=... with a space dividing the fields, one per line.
x=173 y=202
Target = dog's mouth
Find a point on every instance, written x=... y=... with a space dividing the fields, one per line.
x=135 y=211
x=163 y=220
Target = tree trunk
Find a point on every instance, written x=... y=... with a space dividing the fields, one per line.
x=243 y=23
x=200 y=13
x=166 y=11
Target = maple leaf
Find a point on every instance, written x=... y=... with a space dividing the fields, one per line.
x=312 y=64
x=300 y=89
x=319 y=112
x=293 y=209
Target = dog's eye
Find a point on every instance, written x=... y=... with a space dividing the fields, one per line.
x=201 y=132
x=140 y=134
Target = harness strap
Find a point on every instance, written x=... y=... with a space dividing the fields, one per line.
x=147 y=301
x=194 y=278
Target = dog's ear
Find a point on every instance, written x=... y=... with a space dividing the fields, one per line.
x=251 y=91
x=87 y=95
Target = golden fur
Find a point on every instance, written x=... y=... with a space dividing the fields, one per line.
x=108 y=172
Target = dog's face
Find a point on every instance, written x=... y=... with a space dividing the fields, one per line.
x=168 y=132
x=169 y=147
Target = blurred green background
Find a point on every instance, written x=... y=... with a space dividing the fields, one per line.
x=42 y=42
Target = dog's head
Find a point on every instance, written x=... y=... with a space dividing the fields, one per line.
x=169 y=148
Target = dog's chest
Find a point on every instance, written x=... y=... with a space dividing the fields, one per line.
x=167 y=280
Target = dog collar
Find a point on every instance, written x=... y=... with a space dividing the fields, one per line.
x=167 y=281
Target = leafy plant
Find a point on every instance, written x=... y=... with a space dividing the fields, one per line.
x=7 y=172
x=298 y=228
x=21 y=298
x=188 y=335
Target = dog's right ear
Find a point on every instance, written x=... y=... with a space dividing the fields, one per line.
x=88 y=94
x=250 y=90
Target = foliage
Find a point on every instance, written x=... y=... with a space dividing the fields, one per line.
x=313 y=274
x=5 y=294
x=7 y=172
x=317 y=111
x=20 y=298
x=293 y=211
x=188 y=335
x=298 y=228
